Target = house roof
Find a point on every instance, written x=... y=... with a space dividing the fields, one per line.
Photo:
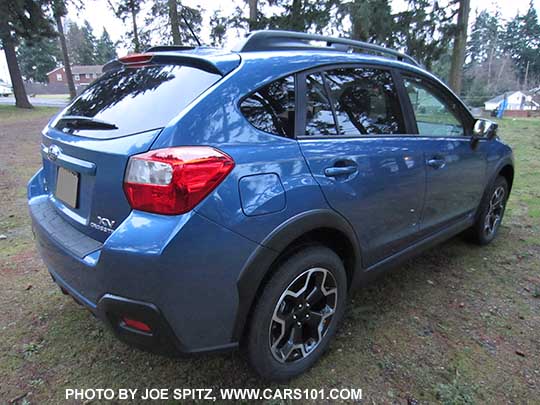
x=55 y=69
x=80 y=69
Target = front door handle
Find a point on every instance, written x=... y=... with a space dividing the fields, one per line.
x=340 y=170
x=436 y=163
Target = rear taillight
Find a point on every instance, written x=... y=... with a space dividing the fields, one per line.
x=174 y=180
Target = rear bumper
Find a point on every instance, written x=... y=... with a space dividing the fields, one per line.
x=169 y=270
x=111 y=309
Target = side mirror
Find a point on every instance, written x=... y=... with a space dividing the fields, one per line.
x=484 y=129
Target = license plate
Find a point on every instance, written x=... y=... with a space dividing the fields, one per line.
x=67 y=187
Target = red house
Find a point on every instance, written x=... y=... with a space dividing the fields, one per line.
x=82 y=75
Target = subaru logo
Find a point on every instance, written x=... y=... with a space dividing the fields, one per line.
x=53 y=152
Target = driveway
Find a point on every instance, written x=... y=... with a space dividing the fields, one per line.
x=42 y=102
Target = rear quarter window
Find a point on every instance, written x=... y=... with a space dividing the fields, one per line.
x=139 y=99
x=271 y=108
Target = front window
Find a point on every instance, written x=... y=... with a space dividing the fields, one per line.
x=434 y=116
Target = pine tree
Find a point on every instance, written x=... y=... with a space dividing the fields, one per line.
x=105 y=49
x=37 y=58
x=371 y=20
x=87 y=51
x=485 y=39
x=168 y=17
x=489 y=69
x=21 y=20
x=425 y=29
x=129 y=9
x=301 y=15
x=218 y=29
x=522 y=42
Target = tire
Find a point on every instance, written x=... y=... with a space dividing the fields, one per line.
x=274 y=323
x=490 y=213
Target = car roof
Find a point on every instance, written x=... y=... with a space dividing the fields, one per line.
x=281 y=62
x=283 y=51
x=269 y=65
x=270 y=54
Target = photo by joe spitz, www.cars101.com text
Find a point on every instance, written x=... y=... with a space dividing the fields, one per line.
x=200 y=199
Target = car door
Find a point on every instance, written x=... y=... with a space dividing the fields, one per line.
x=455 y=163
x=371 y=170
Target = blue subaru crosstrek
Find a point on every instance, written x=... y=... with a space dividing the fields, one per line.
x=197 y=199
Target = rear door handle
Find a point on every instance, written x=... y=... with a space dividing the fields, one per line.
x=436 y=163
x=340 y=171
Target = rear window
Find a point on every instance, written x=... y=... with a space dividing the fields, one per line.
x=139 y=99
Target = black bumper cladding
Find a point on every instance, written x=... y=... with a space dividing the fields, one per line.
x=61 y=231
x=113 y=309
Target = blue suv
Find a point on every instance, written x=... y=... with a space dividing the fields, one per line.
x=196 y=199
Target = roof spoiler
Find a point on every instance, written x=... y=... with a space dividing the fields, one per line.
x=218 y=64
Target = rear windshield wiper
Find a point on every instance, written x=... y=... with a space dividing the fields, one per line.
x=82 y=122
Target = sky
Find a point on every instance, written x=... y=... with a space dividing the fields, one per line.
x=100 y=16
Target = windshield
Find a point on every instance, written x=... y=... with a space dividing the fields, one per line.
x=137 y=99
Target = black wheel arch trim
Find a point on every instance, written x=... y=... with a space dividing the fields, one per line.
x=261 y=260
x=507 y=161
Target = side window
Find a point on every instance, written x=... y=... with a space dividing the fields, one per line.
x=319 y=114
x=366 y=101
x=271 y=108
x=434 y=116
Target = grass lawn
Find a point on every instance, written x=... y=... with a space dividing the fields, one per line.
x=10 y=113
x=458 y=325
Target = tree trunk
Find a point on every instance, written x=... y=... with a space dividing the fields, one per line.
x=175 y=22
x=65 y=56
x=460 y=41
x=136 y=42
x=490 y=64
x=253 y=15
x=21 y=100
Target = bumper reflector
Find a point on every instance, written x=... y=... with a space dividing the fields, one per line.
x=137 y=325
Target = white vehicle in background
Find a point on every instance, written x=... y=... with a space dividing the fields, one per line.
x=5 y=89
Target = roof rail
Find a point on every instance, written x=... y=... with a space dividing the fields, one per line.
x=273 y=40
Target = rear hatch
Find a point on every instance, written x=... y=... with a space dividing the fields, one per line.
x=86 y=147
